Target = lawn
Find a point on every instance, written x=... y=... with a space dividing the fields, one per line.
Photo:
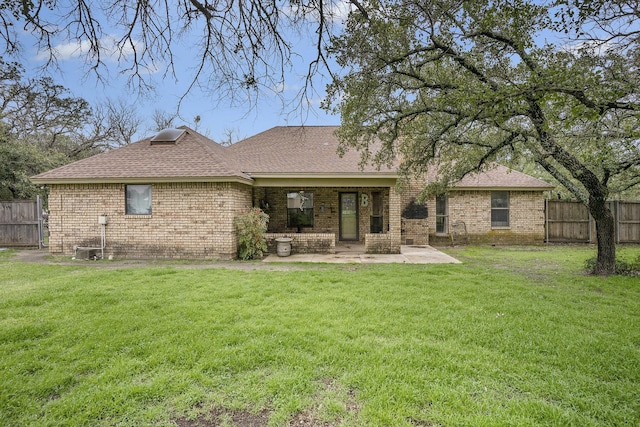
x=511 y=337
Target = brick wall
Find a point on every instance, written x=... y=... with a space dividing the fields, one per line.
x=189 y=220
x=415 y=231
x=379 y=244
x=305 y=243
x=526 y=217
x=395 y=221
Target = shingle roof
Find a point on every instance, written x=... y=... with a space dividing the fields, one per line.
x=300 y=150
x=294 y=151
x=501 y=177
x=192 y=156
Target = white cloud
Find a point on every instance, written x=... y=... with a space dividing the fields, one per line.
x=109 y=50
x=598 y=48
x=337 y=12
x=281 y=87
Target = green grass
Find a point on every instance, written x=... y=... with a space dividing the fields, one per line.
x=511 y=337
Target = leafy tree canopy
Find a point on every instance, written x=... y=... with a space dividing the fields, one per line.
x=19 y=162
x=458 y=85
x=42 y=127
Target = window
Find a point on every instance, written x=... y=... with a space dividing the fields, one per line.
x=138 y=199
x=500 y=209
x=442 y=214
x=299 y=209
x=376 y=212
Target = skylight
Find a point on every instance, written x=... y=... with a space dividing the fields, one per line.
x=167 y=136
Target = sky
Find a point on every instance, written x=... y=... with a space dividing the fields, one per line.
x=218 y=117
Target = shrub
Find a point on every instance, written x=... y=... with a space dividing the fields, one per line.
x=251 y=226
x=623 y=267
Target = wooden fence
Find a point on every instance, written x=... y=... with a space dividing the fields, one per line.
x=570 y=222
x=20 y=223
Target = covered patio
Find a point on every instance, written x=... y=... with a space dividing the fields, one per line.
x=321 y=216
x=318 y=198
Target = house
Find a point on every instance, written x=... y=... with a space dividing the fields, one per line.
x=175 y=195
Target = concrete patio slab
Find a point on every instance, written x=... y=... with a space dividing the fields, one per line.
x=414 y=254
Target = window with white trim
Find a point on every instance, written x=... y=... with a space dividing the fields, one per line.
x=500 y=209
x=138 y=199
x=442 y=214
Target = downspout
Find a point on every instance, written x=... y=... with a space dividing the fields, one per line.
x=41 y=243
x=103 y=220
x=546 y=220
x=39 y=210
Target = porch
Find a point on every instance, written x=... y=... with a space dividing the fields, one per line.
x=321 y=219
x=328 y=243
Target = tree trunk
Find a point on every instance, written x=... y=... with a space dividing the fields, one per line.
x=605 y=233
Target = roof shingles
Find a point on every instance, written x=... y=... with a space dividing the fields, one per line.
x=192 y=156
x=299 y=150
x=282 y=150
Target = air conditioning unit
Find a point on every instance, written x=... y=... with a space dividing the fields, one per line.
x=87 y=254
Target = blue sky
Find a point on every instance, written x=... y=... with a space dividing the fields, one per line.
x=218 y=117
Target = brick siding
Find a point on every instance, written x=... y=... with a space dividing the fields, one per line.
x=304 y=243
x=526 y=217
x=195 y=220
x=415 y=231
x=188 y=220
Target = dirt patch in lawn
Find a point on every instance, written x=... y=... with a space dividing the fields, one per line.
x=41 y=256
x=220 y=417
x=334 y=405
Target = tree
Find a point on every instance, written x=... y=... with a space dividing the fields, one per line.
x=42 y=128
x=19 y=162
x=239 y=46
x=231 y=135
x=38 y=106
x=458 y=85
x=607 y=23
x=163 y=120
x=40 y=111
x=122 y=119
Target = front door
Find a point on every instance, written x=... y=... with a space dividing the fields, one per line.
x=348 y=216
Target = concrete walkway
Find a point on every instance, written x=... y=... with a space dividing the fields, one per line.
x=355 y=254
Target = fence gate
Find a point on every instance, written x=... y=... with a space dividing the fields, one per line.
x=20 y=223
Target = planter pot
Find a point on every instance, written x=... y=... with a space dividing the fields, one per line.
x=283 y=246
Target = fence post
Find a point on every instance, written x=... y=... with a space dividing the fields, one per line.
x=617 y=219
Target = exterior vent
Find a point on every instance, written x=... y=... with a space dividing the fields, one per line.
x=167 y=137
